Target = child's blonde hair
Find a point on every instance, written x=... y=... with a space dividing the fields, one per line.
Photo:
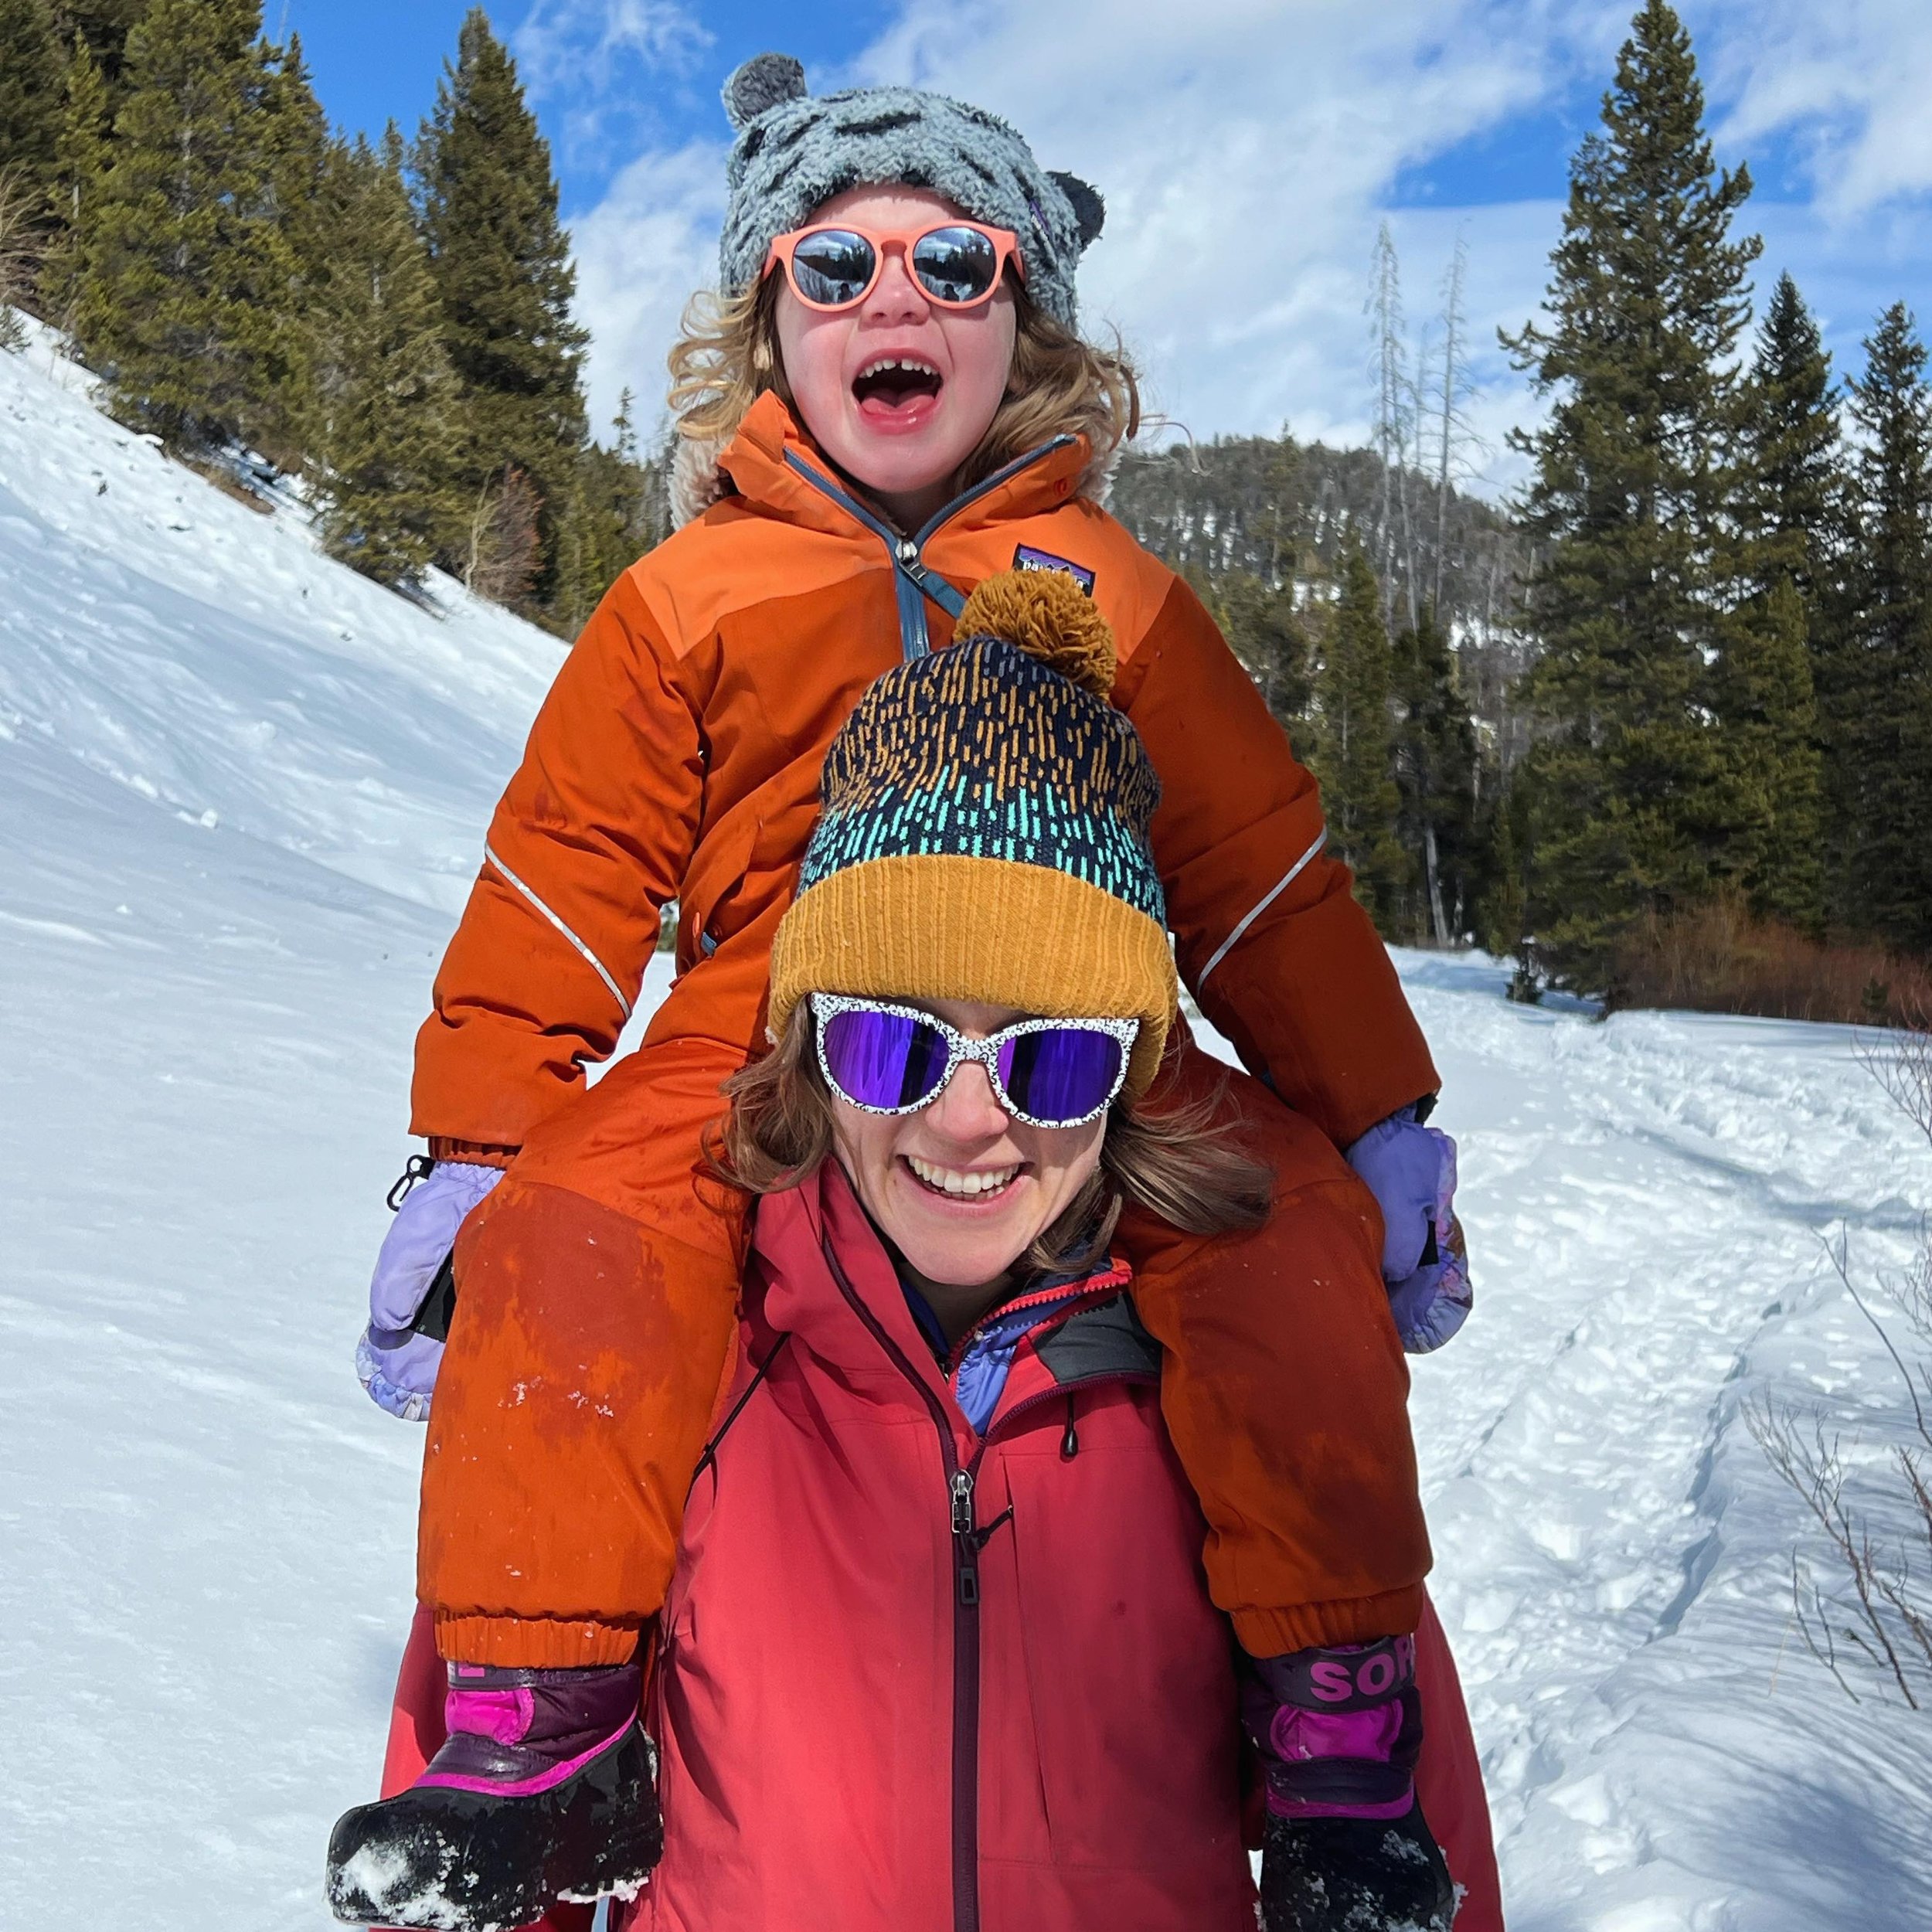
x=726 y=356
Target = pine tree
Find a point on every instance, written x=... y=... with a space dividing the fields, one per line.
x=105 y=25
x=1503 y=911
x=29 y=92
x=184 y=297
x=1764 y=676
x=1635 y=488
x=1435 y=763
x=608 y=525
x=1792 y=439
x=1881 y=679
x=503 y=273
x=1353 y=757
x=295 y=149
x=1762 y=698
x=1265 y=633
x=386 y=417
x=80 y=165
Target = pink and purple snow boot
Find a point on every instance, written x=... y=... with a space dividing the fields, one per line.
x=1345 y=1847
x=544 y=1790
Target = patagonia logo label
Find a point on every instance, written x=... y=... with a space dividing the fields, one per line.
x=1027 y=558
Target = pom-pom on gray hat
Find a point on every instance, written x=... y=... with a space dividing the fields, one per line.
x=795 y=151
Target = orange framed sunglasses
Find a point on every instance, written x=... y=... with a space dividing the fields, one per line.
x=957 y=263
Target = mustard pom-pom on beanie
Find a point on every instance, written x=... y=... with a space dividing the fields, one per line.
x=983 y=832
x=1048 y=616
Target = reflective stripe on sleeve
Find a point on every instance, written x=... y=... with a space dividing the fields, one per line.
x=596 y=964
x=1254 y=911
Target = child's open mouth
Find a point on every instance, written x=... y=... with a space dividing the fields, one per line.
x=896 y=390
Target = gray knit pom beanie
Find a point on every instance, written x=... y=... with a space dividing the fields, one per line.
x=794 y=152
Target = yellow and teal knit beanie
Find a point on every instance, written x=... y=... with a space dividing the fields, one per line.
x=983 y=831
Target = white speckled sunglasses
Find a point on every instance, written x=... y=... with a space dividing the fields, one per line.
x=889 y=1059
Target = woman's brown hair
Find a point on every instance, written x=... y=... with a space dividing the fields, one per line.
x=1177 y=1164
x=726 y=356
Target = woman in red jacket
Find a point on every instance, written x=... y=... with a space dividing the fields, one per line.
x=939 y=1650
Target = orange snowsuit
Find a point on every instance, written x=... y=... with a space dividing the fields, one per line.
x=678 y=755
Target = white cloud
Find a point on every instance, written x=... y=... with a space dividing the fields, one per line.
x=583 y=58
x=576 y=42
x=1245 y=147
x=640 y=253
x=1851 y=80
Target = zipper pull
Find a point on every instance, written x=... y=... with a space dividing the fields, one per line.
x=1070 y=1442
x=962 y=1487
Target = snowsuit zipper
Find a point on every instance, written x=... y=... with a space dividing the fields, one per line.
x=912 y=581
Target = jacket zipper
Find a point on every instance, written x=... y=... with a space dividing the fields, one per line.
x=912 y=581
x=961 y=1479
x=959 y=1496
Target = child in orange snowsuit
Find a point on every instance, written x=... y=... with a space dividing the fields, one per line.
x=678 y=756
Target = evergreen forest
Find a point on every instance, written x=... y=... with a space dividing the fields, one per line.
x=389 y=321
x=1681 y=684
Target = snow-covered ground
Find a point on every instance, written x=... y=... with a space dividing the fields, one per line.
x=241 y=794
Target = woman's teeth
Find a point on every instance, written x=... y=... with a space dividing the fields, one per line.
x=965 y=1187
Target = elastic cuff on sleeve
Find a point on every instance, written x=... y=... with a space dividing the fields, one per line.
x=476 y=1153
x=1354 y=1620
x=536 y=1643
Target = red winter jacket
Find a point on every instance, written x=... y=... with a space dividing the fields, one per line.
x=869 y=1724
x=986 y=1687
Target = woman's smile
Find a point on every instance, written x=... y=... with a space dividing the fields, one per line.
x=971 y=1186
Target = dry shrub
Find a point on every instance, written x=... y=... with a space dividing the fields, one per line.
x=505 y=550
x=1717 y=958
x=1870 y=1614
x=22 y=242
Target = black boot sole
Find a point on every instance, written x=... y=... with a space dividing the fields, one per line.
x=435 y=1859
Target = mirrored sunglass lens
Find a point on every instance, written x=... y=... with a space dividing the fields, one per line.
x=955 y=264
x=1061 y=1073
x=884 y=1060
x=833 y=266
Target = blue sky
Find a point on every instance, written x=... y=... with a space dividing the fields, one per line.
x=1249 y=149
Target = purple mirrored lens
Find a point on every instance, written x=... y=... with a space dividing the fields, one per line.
x=883 y=1060
x=1060 y=1072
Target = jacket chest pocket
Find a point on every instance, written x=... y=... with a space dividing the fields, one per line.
x=1128 y=1680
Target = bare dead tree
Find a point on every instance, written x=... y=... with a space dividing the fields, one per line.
x=22 y=240
x=1394 y=411
x=1452 y=425
x=504 y=549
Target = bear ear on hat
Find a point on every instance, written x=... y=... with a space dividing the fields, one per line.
x=765 y=81
x=1089 y=211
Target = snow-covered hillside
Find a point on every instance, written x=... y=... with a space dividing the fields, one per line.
x=241 y=794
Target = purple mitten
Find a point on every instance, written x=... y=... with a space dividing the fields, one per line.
x=397 y=1366
x=1411 y=1171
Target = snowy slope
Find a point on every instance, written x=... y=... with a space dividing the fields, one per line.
x=241 y=792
